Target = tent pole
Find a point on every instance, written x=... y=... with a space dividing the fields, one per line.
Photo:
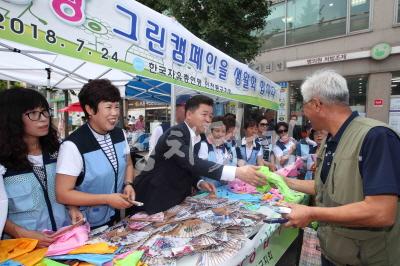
x=66 y=117
x=173 y=105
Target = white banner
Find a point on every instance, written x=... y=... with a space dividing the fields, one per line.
x=129 y=36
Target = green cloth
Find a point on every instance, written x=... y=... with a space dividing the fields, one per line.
x=278 y=182
x=131 y=259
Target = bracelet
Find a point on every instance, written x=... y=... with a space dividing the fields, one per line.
x=128 y=183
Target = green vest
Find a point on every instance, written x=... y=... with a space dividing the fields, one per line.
x=350 y=245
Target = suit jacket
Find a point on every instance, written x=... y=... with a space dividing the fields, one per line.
x=171 y=171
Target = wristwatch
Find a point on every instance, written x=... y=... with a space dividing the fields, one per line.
x=127 y=183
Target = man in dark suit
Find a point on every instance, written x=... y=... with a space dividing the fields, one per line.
x=173 y=167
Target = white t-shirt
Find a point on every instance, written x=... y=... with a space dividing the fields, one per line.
x=3 y=200
x=157 y=133
x=249 y=150
x=278 y=152
x=69 y=161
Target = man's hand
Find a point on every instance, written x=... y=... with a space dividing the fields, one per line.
x=130 y=192
x=209 y=187
x=118 y=201
x=300 y=216
x=250 y=175
x=75 y=214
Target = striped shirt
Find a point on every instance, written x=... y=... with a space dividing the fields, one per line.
x=107 y=146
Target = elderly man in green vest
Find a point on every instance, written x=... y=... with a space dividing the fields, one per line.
x=357 y=181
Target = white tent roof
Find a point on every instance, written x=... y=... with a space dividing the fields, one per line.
x=27 y=64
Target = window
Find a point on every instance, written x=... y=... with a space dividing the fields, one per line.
x=359 y=15
x=357 y=93
x=298 y=21
x=395 y=83
x=398 y=11
x=274 y=32
x=309 y=20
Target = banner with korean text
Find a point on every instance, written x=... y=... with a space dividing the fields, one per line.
x=126 y=35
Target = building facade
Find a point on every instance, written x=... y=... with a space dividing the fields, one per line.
x=359 y=39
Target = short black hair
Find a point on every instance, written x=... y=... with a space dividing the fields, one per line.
x=96 y=91
x=229 y=122
x=193 y=103
x=230 y=115
x=260 y=118
x=281 y=124
x=249 y=123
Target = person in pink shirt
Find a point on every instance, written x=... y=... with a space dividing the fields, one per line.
x=139 y=125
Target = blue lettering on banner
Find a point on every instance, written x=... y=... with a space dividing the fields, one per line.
x=212 y=63
x=178 y=54
x=238 y=76
x=268 y=89
x=223 y=69
x=196 y=55
x=273 y=91
x=262 y=87
x=156 y=36
x=132 y=35
x=253 y=82
x=246 y=77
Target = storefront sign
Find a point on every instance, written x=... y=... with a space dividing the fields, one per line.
x=317 y=60
x=378 y=102
x=381 y=51
x=394 y=113
x=131 y=37
x=283 y=102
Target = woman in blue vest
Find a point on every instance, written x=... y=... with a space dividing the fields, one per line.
x=94 y=167
x=305 y=148
x=250 y=152
x=29 y=146
x=215 y=149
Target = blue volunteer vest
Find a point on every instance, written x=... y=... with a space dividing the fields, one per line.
x=253 y=157
x=29 y=205
x=232 y=160
x=98 y=175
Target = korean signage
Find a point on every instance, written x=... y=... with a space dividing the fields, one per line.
x=129 y=36
x=283 y=102
x=378 y=102
x=271 y=249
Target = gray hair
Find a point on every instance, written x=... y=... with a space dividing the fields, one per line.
x=326 y=84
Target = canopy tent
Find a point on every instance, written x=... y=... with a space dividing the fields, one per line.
x=73 y=107
x=150 y=90
x=66 y=43
x=43 y=68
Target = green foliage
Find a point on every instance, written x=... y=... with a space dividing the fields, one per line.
x=228 y=25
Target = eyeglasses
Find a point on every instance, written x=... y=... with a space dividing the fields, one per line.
x=35 y=115
x=263 y=124
x=305 y=103
x=282 y=131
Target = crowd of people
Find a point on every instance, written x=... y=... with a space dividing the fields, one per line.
x=349 y=165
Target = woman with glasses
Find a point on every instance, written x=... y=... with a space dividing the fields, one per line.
x=284 y=149
x=29 y=146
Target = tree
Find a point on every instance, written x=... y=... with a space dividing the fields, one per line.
x=227 y=25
